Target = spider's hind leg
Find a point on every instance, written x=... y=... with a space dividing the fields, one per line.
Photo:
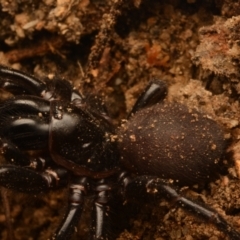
x=154 y=187
x=155 y=92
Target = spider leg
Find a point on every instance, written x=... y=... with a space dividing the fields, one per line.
x=155 y=92
x=60 y=89
x=19 y=83
x=24 y=105
x=78 y=190
x=24 y=121
x=102 y=211
x=101 y=226
x=20 y=117
x=28 y=181
x=12 y=153
x=153 y=186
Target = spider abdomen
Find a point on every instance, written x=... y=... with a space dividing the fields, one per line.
x=172 y=142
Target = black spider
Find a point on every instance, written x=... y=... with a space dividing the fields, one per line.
x=52 y=137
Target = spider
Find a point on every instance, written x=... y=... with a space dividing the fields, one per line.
x=53 y=137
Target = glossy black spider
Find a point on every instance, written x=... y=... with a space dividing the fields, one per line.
x=52 y=137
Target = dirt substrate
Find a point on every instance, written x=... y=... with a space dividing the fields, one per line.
x=194 y=46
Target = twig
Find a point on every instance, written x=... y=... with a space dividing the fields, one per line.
x=102 y=39
x=42 y=48
x=7 y=213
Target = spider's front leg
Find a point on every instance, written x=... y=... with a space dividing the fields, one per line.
x=24 y=122
x=24 y=126
x=19 y=83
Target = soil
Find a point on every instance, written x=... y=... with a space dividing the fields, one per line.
x=113 y=49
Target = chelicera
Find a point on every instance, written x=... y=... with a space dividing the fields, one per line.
x=52 y=137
